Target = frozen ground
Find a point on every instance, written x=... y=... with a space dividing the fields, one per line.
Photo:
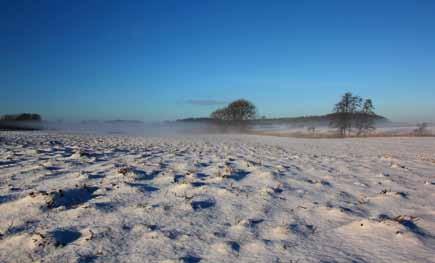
x=221 y=198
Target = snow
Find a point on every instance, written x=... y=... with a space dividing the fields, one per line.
x=215 y=198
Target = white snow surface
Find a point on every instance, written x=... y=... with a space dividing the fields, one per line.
x=215 y=198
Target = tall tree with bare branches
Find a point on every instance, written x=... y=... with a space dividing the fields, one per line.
x=365 y=119
x=345 y=111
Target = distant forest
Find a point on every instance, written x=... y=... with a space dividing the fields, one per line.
x=21 y=117
x=23 y=121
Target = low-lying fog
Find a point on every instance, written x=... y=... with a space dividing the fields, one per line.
x=186 y=128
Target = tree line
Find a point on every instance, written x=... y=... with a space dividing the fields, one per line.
x=24 y=121
x=22 y=117
x=349 y=114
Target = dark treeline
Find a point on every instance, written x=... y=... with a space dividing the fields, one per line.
x=351 y=115
x=303 y=121
x=23 y=121
x=21 y=117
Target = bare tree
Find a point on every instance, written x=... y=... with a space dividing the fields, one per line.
x=239 y=110
x=365 y=119
x=421 y=129
x=345 y=111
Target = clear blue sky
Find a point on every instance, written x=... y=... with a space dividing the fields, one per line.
x=158 y=60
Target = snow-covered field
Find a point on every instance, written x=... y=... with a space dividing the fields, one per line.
x=215 y=198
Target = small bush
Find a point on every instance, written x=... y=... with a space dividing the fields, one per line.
x=421 y=129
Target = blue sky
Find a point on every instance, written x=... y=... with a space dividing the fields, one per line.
x=160 y=60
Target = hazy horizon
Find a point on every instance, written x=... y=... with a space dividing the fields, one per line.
x=167 y=60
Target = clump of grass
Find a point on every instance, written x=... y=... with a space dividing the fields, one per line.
x=124 y=170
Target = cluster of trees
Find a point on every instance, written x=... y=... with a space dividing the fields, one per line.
x=352 y=112
x=24 y=121
x=236 y=111
x=22 y=117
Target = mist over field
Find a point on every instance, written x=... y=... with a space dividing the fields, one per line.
x=174 y=128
